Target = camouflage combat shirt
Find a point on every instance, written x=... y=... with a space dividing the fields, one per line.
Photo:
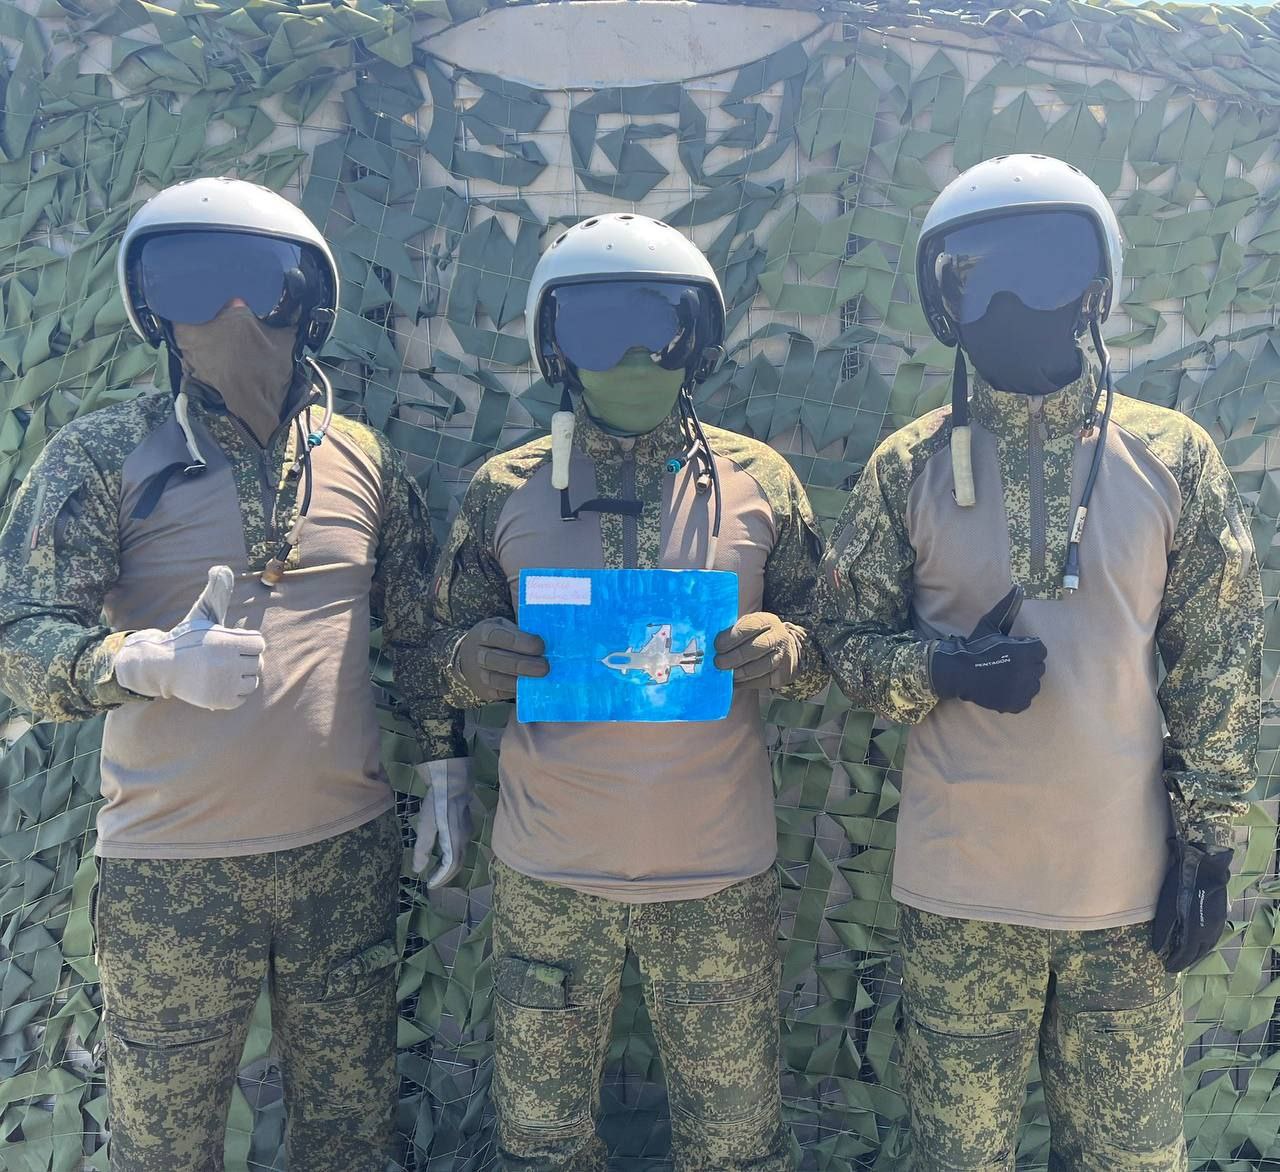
x=1056 y=817
x=634 y=812
x=82 y=565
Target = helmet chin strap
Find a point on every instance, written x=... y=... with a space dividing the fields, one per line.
x=708 y=480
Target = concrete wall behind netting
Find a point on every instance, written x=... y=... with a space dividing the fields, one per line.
x=438 y=143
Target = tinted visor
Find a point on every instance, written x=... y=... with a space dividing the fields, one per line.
x=189 y=277
x=594 y=323
x=1045 y=259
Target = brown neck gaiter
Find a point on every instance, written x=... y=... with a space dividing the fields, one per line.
x=250 y=365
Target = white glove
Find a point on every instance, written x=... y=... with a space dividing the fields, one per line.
x=444 y=818
x=199 y=661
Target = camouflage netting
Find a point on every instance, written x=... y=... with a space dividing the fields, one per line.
x=805 y=176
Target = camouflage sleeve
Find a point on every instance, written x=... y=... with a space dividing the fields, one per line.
x=864 y=599
x=59 y=555
x=406 y=557
x=1210 y=639
x=790 y=583
x=469 y=586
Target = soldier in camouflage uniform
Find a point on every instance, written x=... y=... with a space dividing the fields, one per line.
x=248 y=830
x=1049 y=889
x=658 y=839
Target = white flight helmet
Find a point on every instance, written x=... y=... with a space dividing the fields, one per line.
x=222 y=205
x=616 y=249
x=1012 y=184
x=620 y=245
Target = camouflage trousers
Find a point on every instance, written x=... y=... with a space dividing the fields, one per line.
x=980 y=999
x=183 y=946
x=712 y=978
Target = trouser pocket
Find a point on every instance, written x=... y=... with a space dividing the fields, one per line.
x=547 y=1052
x=337 y=1041
x=170 y=1088
x=1114 y=1079
x=350 y=978
x=965 y=1078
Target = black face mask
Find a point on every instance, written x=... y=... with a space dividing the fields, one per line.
x=1024 y=351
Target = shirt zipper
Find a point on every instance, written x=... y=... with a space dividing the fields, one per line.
x=1037 y=434
x=630 y=524
x=267 y=482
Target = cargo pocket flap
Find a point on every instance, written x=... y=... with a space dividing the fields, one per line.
x=1153 y=1015
x=530 y=983
x=969 y=1025
x=355 y=974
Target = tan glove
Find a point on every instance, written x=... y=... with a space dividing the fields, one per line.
x=761 y=651
x=494 y=654
x=200 y=661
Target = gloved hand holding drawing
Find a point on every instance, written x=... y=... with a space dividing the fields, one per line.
x=761 y=651
x=494 y=654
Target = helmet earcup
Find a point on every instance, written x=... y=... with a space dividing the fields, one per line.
x=709 y=361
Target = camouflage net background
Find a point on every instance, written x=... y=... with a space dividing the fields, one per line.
x=805 y=176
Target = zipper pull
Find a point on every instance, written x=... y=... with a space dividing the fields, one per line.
x=33 y=532
x=1035 y=407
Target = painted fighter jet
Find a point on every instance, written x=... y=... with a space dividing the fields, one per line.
x=655 y=658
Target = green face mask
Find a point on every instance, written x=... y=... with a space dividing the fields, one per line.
x=632 y=397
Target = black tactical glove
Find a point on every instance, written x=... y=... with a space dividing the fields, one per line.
x=1192 y=910
x=494 y=653
x=991 y=668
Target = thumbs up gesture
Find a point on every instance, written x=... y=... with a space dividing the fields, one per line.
x=200 y=661
x=991 y=668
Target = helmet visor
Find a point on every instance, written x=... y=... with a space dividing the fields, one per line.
x=190 y=277
x=594 y=323
x=1045 y=259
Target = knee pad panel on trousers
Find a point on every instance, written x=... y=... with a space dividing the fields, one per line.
x=546 y=1055
x=965 y=1080
x=1118 y=1075
x=703 y=1145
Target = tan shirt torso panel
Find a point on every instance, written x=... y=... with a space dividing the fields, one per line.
x=639 y=812
x=299 y=760
x=1071 y=789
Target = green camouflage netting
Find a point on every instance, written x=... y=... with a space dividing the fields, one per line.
x=805 y=176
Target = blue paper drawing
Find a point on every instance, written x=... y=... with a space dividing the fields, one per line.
x=627 y=645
